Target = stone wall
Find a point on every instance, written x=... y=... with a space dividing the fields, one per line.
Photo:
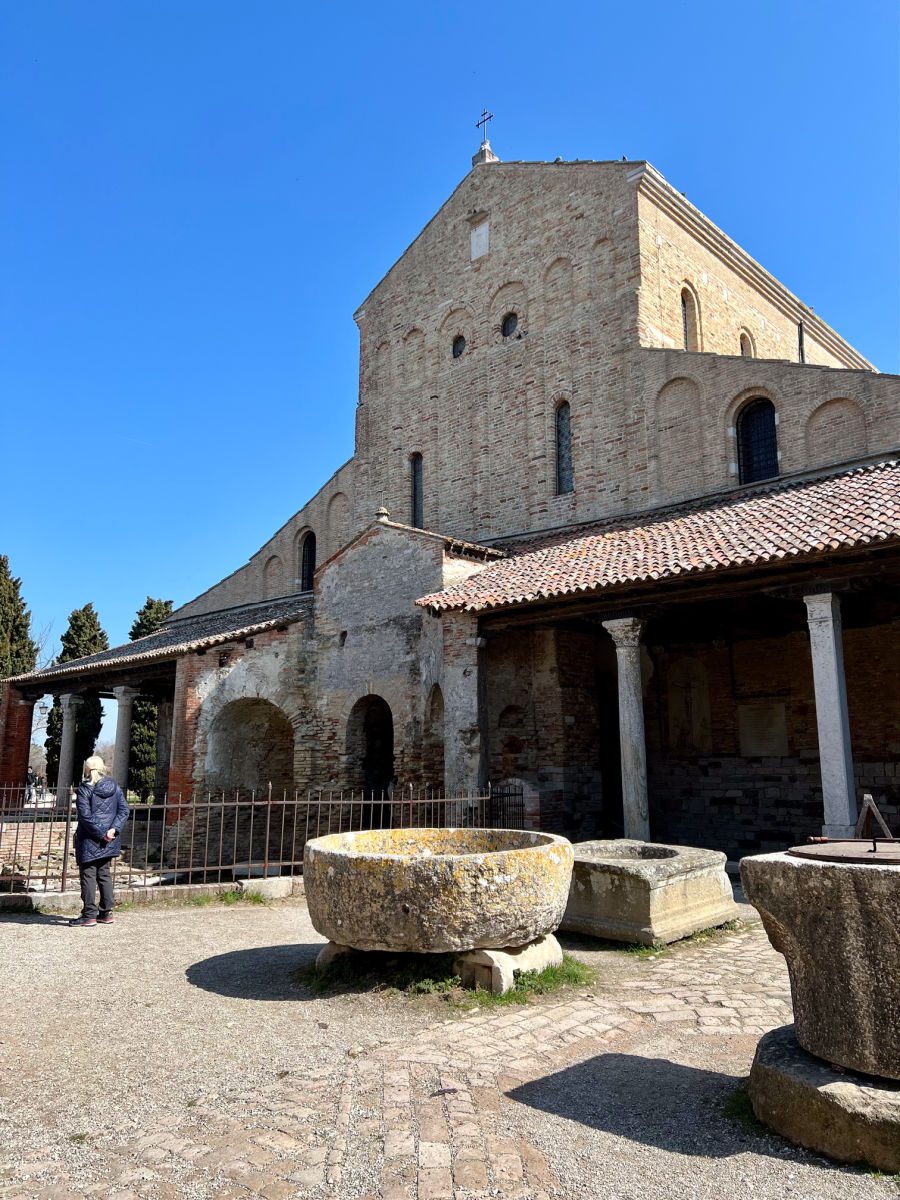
x=590 y=259
x=732 y=744
x=680 y=248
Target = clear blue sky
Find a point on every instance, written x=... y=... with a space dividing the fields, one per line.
x=196 y=194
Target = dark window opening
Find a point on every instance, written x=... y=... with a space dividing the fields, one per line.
x=459 y=345
x=509 y=324
x=746 y=346
x=801 y=348
x=689 y=322
x=565 y=478
x=308 y=563
x=757 y=441
x=417 y=499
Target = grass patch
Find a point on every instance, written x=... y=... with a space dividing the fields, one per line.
x=251 y=897
x=571 y=973
x=79 y=1139
x=200 y=901
x=639 y=950
x=884 y=1178
x=737 y=1108
x=433 y=975
x=704 y=935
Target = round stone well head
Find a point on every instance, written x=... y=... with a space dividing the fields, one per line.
x=436 y=890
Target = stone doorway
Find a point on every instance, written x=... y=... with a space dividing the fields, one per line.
x=370 y=745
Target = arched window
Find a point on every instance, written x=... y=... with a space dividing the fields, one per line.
x=746 y=345
x=565 y=479
x=417 y=498
x=690 y=326
x=801 y=345
x=308 y=562
x=757 y=441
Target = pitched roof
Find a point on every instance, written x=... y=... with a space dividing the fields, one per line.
x=779 y=521
x=183 y=635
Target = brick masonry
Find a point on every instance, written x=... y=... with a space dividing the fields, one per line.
x=591 y=260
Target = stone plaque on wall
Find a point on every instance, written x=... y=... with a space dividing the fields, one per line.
x=762 y=729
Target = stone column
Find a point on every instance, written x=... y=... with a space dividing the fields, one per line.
x=464 y=746
x=125 y=698
x=835 y=754
x=70 y=705
x=626 y=633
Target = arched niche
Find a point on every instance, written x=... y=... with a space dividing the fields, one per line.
x=679 y=439
x=835 y=432
x=249 y=746
x=558 y=290
x=338 y=521
x=273 y=577
x=433 y=739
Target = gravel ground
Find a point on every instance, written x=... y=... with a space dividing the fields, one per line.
x=185 y=1025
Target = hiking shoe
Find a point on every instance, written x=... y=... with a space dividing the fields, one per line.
x=82 y=922
x=105 y=919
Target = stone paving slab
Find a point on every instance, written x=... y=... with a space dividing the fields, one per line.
x=228 y=1081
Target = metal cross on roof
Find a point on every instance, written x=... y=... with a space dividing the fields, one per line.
x=485 y=118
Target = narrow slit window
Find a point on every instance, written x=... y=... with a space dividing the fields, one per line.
x=308 y=563
x=417 y=496
x=746 y=346
x=757 y=439
x=801 y=348
x=689 y=321
x=565 y=478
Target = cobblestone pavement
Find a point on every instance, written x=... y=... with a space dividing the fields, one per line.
x=183 y=1060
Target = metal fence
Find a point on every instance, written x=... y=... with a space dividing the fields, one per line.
x=221 y=837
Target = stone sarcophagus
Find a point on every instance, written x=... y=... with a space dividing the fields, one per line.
x=630 y=891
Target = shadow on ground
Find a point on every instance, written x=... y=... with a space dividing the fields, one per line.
x=260 y=973
x=14 y=917
x=655 y=1102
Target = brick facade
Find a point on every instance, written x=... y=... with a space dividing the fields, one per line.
x=588 y=261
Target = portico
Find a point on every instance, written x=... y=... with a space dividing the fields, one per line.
x=743 y=706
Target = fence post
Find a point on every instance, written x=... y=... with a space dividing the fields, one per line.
x=65 y=863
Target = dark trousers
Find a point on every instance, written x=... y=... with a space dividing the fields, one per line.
x=92 y=874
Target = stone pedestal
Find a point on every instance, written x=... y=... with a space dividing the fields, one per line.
x=496 y=970
x=838 y=926
x=631 y=891
x=852 y=1118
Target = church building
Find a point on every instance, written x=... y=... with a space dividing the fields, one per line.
x=621 y=525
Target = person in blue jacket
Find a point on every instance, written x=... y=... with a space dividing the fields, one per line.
x=102 y=813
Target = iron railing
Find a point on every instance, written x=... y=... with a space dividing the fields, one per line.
x=219 y=837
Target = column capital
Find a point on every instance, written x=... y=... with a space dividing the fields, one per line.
x=70 y=701
x=625 y=631
x=822 y=606
x=126 y=692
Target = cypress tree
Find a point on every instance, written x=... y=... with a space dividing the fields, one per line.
x=84 y=635
x=18 y=652
x=142 y=754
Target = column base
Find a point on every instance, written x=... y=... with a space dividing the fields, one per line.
x=838 y=831
x=848 y=1117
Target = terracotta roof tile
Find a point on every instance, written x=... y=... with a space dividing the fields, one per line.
x=853 y=508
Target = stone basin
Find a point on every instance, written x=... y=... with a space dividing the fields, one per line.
x=838 y=926
x=436 y=890
x=646 y=892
